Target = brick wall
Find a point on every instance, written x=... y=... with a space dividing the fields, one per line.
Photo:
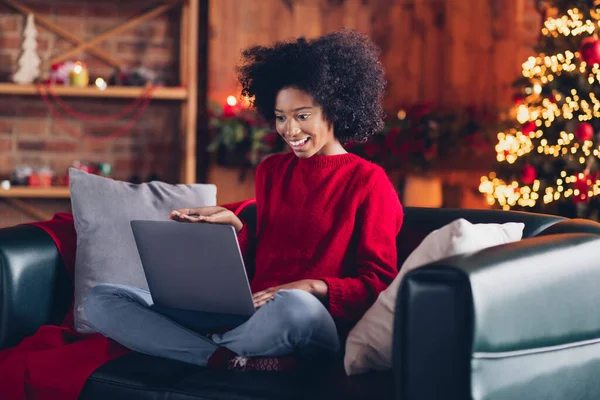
x=28 y=134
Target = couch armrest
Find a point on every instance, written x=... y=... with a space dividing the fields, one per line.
x=513 y=321
x=34 y=286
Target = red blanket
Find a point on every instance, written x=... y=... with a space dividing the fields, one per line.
x=55 y=362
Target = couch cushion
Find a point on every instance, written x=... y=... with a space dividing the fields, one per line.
x=419 y=222
x=369 y=345
x=139 y=376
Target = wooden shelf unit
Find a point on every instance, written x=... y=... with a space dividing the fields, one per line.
x=26 y=192
x=125 y=92
x=186 y=93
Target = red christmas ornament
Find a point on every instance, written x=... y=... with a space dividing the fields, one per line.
x=584 y=131
x=528 y=175
x=529 y=127
x=590 y=50
x=584 y=183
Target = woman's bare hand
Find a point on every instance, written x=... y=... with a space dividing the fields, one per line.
x=214 y=215
x=316 y=287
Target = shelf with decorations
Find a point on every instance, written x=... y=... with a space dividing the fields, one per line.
x=125 y=92
x=61 y=77
x=54 y=192
x=124 y=84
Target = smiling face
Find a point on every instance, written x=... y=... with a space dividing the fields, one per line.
x=302 y=125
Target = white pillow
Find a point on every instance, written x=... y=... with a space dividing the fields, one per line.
x=369 y=344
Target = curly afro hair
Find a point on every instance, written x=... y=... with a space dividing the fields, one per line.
x=341 y=71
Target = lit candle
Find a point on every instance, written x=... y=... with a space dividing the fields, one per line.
x=229 y=108
x=79 y=76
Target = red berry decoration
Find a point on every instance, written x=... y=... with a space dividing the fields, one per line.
x=590 y=50
x=584 y=131
x=528 y=175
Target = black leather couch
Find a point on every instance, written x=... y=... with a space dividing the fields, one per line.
x=519 y=321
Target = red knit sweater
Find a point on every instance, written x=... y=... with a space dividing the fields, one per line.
x=333 y=218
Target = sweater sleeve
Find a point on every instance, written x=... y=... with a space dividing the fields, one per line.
x=247 y=239
x=243 y=237
x=378 y=222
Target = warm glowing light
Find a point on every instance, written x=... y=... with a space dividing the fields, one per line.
x=571 y=24
x=100 y=83
x=513 y=145
x=544 y=111
x=231 y=100
x=401 y=114
x=523 y=114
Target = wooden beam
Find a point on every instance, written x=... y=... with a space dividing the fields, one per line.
x=183 y=81
x=202 y=133
x=101 y=54
x=192 y=85
x=32 y=192
x=113 y=32
x=184 y=34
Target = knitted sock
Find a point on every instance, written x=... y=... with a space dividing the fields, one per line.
x=220 y=359
x=287 y=363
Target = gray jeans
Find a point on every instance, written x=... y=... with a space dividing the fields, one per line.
x=294 y=321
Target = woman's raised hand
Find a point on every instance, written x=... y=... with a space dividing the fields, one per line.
x=214 y=215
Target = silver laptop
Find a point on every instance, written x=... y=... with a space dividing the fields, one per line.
x=194 y=266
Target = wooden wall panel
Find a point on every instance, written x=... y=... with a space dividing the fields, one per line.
x=236 y=25
x=446 y=52
x=433 y=18
x=451 y=53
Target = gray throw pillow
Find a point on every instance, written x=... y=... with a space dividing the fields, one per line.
x=102 y=210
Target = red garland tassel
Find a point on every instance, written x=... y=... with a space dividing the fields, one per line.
x=147 y=93
x=143 y=102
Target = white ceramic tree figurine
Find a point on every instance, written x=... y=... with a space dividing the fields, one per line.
x=29 y=62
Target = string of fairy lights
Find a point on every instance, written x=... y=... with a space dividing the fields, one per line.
x=543 y=112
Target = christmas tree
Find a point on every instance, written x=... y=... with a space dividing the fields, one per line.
x=548 y=144
x=29 y=62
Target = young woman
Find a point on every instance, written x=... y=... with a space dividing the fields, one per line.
x=327 y=220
